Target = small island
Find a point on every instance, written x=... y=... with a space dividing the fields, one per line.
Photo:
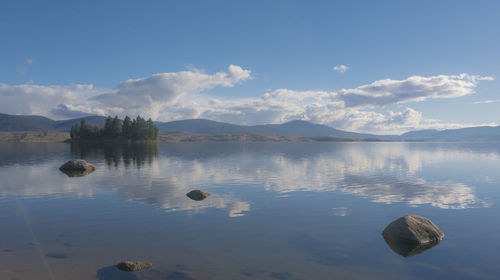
x=115 y=129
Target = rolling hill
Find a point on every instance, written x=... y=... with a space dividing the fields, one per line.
x=469 y=133
x=195 y=126
x=25 y=123
x=296 y=128
x=292 y=128
x=39 y=123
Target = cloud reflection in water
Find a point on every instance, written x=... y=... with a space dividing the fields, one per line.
x=382 y=172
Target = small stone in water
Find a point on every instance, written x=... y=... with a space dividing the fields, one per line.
x=133 y=266
x=198 y=195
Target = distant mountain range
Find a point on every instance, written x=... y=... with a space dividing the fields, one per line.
x=469 y=133
x=291 y=129
x=39 y=123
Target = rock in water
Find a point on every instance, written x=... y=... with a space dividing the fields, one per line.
x=198 y=195
x=77 y=167
x=133 y=266
x=413 y=229
x=409 y=249
x=411 y=235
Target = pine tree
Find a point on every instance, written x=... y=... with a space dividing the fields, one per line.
x=77 y=130
x=72 y=132
x=150 y=129
x=108 y=127
x=116 y=127
x=138 y=128
x=156 y=130
x=84 y=129
x=127 y=128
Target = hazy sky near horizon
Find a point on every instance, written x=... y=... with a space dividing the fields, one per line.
x=367 y=66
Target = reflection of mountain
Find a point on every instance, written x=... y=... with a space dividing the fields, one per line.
x=407 y=157
x=137 y=153
x=382 y=172
x=30 y=153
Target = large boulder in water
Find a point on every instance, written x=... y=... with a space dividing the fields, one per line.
x=133 y=266
x=77 y=167
x=411 y=235
x=198 y=195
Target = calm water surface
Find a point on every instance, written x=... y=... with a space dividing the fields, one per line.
x=277 y=210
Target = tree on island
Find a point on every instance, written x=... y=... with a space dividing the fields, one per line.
x=127 y=127
x=137 y=129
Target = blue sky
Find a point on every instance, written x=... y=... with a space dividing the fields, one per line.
x=64 y=59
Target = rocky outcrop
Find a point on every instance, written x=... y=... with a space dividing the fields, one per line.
x=198 y=195
x=411 y=235
x=133 y=266
x=77 y=168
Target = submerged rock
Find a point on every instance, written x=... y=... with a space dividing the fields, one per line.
x=133 y=266
x=198 y=195
x=411 y=235
x=77 y=168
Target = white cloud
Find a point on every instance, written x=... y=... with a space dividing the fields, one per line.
x=180 y=95
x=149 y=96
x=413 y=89
x=145 y=96
x=487 y=101
x=340 y=68
x=340 y=211
x=33 y=99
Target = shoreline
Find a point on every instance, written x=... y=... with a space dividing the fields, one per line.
x=174 y=137
x=64 y=137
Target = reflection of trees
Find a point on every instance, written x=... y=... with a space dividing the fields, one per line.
x=132 y=153
x=12 y=153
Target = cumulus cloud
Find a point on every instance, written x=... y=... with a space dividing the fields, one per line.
x=340 y=68
x=145 y=96
x=33 y=99
x=181 y=95
x=152 y=94
x=413 y=89
x=346 y=109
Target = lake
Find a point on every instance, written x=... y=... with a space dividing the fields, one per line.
x=312 y=210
